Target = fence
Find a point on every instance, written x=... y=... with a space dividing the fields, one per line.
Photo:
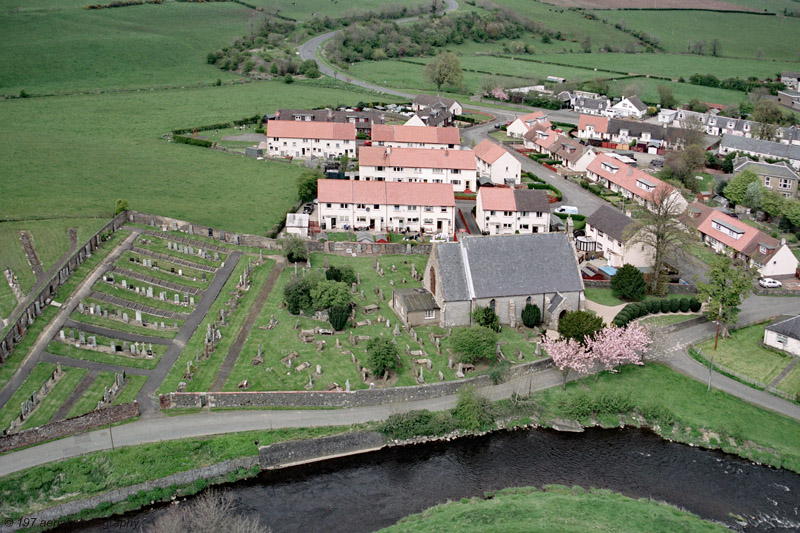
x=722 y=369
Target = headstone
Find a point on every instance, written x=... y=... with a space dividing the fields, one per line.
x=62 y=335
x=38 y=307
x=180 y=272
x=80 y=307
x=191 y=300
x=105 y=313
x=134 y=349
x=162 y=295
x=441 y=376
x=125 y=318
x=138 y=317
x=177 y=299
x=347 y=386
x=162 y=325
x=124 y=346
x=537 y=350
x=113 y=347
x=92 y=342
x=149 y=292
x=124 y=284
x=81 y=338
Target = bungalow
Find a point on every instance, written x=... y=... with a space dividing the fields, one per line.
x=380 y=206
x=455 y=167
x=592 y=128
x=424 y=102
x=761 y=148
x=789 y=98
x=496 y=165
x=416 y=137
x=791 y=79
x=540 y=140
x=784 y=335
x=501 y=211
x=362 y=119
x=532 y=121
x=612 y=232
x=307 y=139
x=504 y=273
x=591 y=106
x=634 y=184
x=780 y=177
x=725 y=234
x=631 y=106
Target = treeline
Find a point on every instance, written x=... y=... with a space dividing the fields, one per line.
x=385 y=12
x=122 y=3
x=735 y=84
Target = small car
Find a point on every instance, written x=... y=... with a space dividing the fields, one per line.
x=568 y=209
x=769 y=283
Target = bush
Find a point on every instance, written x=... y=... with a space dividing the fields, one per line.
x=653 y=306
x=684 y=305
x=498 y=373
x=382 y=355
x=472 y=411
x=694 y=305
x=297 y=294
x=345 y=274
x=416 y=423
x=665 y=306
x=579 y=324
x=531 y=315
x=657 y=413
x=641 y=309
x=474 y=344
x=191 y=140
x=486 y=317
x=294 y=249
x=629 y=282
x=674 y=305
x=337 y=316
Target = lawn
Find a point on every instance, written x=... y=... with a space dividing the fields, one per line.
x=702 y=252
x=68 y=350
x=202 y=238
x=207 y=369
x=647 y=90
x=164 y=271
x=666 y=320
x=57 y=396
x=791 y=383
x=606 y=297
x=154 y=244
x=743 y=353
x=119 y=325
x=130 y=390
x=131 y=296
x=88 y=400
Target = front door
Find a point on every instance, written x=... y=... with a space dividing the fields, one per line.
x=333 y=222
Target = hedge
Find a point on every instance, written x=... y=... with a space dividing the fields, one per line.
x=191 y=140
x=632 y=311
x=547 y=186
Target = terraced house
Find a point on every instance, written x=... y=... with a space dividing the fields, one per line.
x=310 y=139
x=418 y=165
x=496 y=165
x=416 y=137
x=501 y=211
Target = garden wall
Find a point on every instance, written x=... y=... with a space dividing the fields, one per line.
x=358 y=398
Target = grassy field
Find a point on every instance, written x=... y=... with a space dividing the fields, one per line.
x=68 y=350
x=155 y=244
x=207 y=369
x=743 y=353
x=88 y=400
x=130 y=390
x=554 y=508
x=305 y=9
x=57 y=395
x=647 y=89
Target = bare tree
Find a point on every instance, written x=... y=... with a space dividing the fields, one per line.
x=661 y=231
x=693 y=131
x=211 y=512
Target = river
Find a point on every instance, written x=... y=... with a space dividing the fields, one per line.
x=370 y=491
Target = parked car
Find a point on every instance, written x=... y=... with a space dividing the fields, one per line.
x=769 y=283
x=568 y=209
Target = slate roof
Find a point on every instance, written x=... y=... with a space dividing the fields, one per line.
x=428 y=100
x=531 y=200
x=508 y=265
x=776 y=170
x=789 y=327
x=637 y=103
x=327 y=115
x=611 y=222
x=758 y=146
x=503 y=199
x=416 y=299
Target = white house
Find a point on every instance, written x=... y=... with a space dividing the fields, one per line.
x=297 y=224
x=631 y=106
x=502 y=211
x=791 y=79
x=592 y=128
x=381 y=206
x=611 y=231
x=572 y=154
x=760 y=148
x=416 y=137
x=540 y=140
x=522 y=125
x=456 y=167
x=591 y=106
x=307 y=139
x=424 y=102
x=784 y=335
x=496 y=165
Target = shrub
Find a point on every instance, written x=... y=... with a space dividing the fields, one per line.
x=337 y=316
x=472 y=411
x=531 y=315
x=694 y=305
x=345 y=274
x=653 y=306
x=191 y=140
x=674 y=305
x=382 y=355
x=641 y=309
x=684 y=305
x=629 y=282
x=578 y=405
x=657 y=413
x=486 y=317
x=297 y=294
x=416 y=423
x=499 y=372
x=294 y=248
x=665 y=306
x=120 y=206
x=578 y=324
x=474 y=344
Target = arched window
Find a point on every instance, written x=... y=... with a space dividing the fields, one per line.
x=528 y=300
x=492 y=304
x=433 y=281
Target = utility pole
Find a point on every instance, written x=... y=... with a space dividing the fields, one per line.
x=111 y=436
x=719 y=321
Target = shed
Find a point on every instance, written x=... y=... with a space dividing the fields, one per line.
x=784 y=335
x=297 y=224
x=415 y=307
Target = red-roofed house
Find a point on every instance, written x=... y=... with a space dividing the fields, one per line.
x=496 y=165
x=383 y=205
x=730 y=236
x=307 y=139
x=525 y=123
x=501 y=211
x=540 y=140
x=416 y=137
x=631 y=182
x=456 y=167
x=592 y=127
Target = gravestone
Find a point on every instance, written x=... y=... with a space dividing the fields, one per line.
x=138 y=317
x=113 y=347
x=149 y=292
x=92 y=342
x=81 y=338
x=162 y=296
x=125 y=318
x=191 y=300
x=162 y=325
x=124 y=284
x=62 y=335
x=177 y=299
x=80 y=307
x=347 y=386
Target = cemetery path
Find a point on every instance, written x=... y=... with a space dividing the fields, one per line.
x=157 y=282
x=155 y=311
x=116 y=334
x=82 y=291
x=48 y=357
x=255 y=310
x=73 y=398
x=148 y=403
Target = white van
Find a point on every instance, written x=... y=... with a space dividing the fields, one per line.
x=567 y=209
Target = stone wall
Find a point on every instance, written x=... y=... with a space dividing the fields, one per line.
x=761 y=291
x=672 y=288
x=294 y=452
x=35 y=304
x=358 y=398
x=70 y=426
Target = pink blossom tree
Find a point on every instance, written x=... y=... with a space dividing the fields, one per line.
x=500 y=94
x=613 y=346
x=568 y=354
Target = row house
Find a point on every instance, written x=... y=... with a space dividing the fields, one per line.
x=613 y=233
x=640 y=136
x=633 y=184
x=592 y=128
x=717 y=125
x=526 y=123
x=363 y=120
x=730 y=236
x=569 y=152
x=307 y=139
x=502 y=211
x=419 y=165
x=760 y=148
x=416 y=137
x=540 y=140
x=496 y=165
x=779 y=177
x=387 y=206
x=591 y=106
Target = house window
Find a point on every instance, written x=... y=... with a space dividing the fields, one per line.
x=379 y=169
x=491 y=213
x=397 y=208
x=397 y=169
x=456 y=182
x=428 y=208
x=430 y=314
x=444 y=210
x=344 y=206
x=328 y=205
x=600 y=233
x=528 y=300
x=507 y=213
x=767 y=180
x=376 y=206
x=784 y=183
x=360 y=206
x=455 y=171
x=492 y=304
x=438 y=171
x=781 y=339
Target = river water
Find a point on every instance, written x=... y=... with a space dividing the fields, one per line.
x=370 y=491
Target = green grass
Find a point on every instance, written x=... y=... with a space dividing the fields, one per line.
x=155 y=244
x=647 y=89
x=743 y=353
x=81 y=477
x=119 y=325
x=207 y=369
x=704 y=253
x=131 y=296
x=791 y=383
x=11 y=410
x=603 y=296
x=666 y=320
x=305 y=10
x=9 y=368
x=554 y=508
x=88 y=401
x=209 y=240
x=130 y=390
x=164 y=274
x=68 y=350
x=57 y=396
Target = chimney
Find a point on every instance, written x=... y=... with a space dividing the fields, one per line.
x=783 y=241
x=330 y=114
x=388 y=152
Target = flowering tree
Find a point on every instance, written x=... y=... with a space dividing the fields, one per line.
x=613 y=346
x=499 y=94
x=568 y=354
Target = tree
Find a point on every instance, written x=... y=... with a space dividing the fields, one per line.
x=578 y=325
x=660 y=230
x=307 y=185
x=752 y=195
x=210 y=512
x=473 y=344
x=568 y=355
x=444 y=69
x=121 y=205
x=728 y=282
x=382 y=355
x=684 y=165
x=327 y=294
x=716 y=48
x=486 y=317
x=737 y=188
x=613 y=346
x=629 y=282
x=531 y=315
x=294 y=249
x=472 y=411
x=338 y=315
x=345 y=274
x=693 y=131
x=297 y=293
x=665 y=97
x=772 y=203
